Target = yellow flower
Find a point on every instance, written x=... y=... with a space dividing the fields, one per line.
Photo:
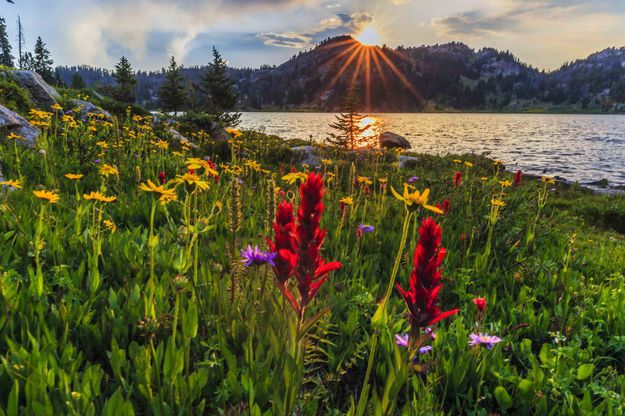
x=497 y=162
x=164 y=195
x=364 y=179
x=484 y=178
x=137 y=118
x=73 y=176
x=191 y=179
x=49 y=196
x=196 y=163
x=497 y=202
x=110 y=225
x=12 y=184
x=233 y=170
x=252 y=164
x=107 y=170
x=97 y=196
x=92 y=129
x=548 y=180
x=383 y=180
x=57 y=107
x=330 y=176
x=326 y=162
x=102 y=144
x=457 y=161
x=14 y=136
x=468 y=164
x=293 y=177
x=348 y=200
x=236 y=133
x=416 y=198
x=161 y=144
x=505 y=184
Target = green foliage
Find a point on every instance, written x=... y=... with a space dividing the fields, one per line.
x=77 y=82
x=218 y=89
x=41 y=62
x=348 y=126
x=127 y=307
x=13 y=96
x=6 y=57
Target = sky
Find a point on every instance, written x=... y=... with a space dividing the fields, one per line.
x=250 y=33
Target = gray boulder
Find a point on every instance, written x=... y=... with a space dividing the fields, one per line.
x=182 y=139
x=11 y=122
x=85 y=107
x=307 y=155
x=391 y=140
x=42 y=94
x=408 y=161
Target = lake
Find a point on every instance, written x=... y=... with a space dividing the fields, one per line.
x=583 y=148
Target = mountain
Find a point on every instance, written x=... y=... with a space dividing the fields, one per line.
x=450 y=76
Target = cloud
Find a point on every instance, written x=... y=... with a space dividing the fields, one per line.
x=355 y=21
x=473 y=23
x=286 y=39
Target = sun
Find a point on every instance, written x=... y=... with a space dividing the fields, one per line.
x=369 y=36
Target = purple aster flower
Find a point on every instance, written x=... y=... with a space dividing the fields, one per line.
x=256 y=257
x=97 y=161
x=402 y=340
x=364 y=228
x=425 y=350
x=413 y=179
x=430 y=331
x=484 y=339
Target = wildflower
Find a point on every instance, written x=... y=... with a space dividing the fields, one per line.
x=403 y=341
x=253 y=165
x=480 y=303
x=293 y=177
x=162 y=178
x=191 y=179
x=49 y=196
x=283 y=227
x=468 y=164
x=548 y=180
x=161 y=144
x=457 y=179
x=421 y=298
x=236 y=133
x=73 y=176
x=13 y=184
x=14 y=136
x=484 y=178
x=97 y=196
x=416 y=199
x=505 y=184
x=497 y=202
x=326 y=162
x=497 y=162
x=364 y=180
x=164 y=195
x=197 y=163
x=413 y=179
x=383 y=180
x=102 y=144
x=518 y=178
x=445 y=206
x=256 y=257
x=457 y=161
x=107 y=170
x=488 y=341
x=110 y=225
x=366 y=228
x=309 y=268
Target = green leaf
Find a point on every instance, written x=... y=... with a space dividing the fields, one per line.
x=503 y=398
x=584 y=371
x=190 y=321
x=12 y=406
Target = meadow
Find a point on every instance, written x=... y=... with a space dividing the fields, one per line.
x=127 y=285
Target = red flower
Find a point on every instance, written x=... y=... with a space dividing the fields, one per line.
x=300 y=248
x=480 y=303
x=457 y=179
x=518 y=178
x=213 y=167
x=445 y=206
x=162 y=178
x=422 y=297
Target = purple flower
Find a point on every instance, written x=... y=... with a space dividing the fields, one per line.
x=256 y=257
x=413 y=179
x=364 y=228
x=484 y=339
x=425 y=350
x=402 y=340
x=430 y=331
x=97 y=161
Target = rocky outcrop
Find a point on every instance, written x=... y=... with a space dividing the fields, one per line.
x=85 y=107
x=181 y=138
x=391 y=140
x=307 y=155
x=41 y=93
x=408 y=162
x=11 y=122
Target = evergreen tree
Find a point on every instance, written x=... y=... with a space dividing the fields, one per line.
x=348 y=126
x=172 y=94
x=28 y=61
x=42 y=63
x=77 y=82
x=126 y=81
x=219 y=92
x=6 y=58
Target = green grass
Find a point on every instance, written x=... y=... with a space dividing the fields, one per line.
x=145 y=319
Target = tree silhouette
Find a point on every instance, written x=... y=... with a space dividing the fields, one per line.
x=172 y=93
x=348 y=125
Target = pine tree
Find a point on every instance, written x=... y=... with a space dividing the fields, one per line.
x=77 y=82
x=172 y=94
x=42 y=63
x=20 y=43
x=6 y=58
x=219 y=93
x=348 y=126
x=126 y=81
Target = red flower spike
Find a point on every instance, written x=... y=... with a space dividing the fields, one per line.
x=518 y=178
x=298 y=245
x=162 y=178
x=480 y=303
x=422 y=297
x=457 y=179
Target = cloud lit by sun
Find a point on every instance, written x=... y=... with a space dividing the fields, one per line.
x=369 y=36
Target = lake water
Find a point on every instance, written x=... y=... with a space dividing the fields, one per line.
x=583 y=148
